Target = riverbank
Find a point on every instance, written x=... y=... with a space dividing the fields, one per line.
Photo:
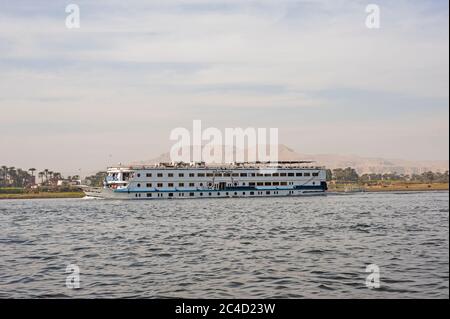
x=394 y=187
x=43 y=195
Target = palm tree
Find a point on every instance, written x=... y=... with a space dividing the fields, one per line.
x=46 y=174
x=5 y=174
x=41 y=176
x=32 y=180
x=56 y=177
x=20 y=177
x=12 y=175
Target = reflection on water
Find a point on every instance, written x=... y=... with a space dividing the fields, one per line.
x=306 y=247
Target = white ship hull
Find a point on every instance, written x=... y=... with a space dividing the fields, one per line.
x=105 y=193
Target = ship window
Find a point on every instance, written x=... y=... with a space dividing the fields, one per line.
x=191 y=194
x=149 y=194
x=252 y=193
x=276 y=183
x=260 y=183
x=314 y=183
x=201 y=184
x=218 y=174
x=160 y=175
x=226 y=193
x=191 y=175
x=191 y=184
x=282 y=174
x=251 y=184
x=170 y=185
x=268 y=183
x=135 y=195
x=181 y=184
x=170 y=175
x=268 y=193
x=180 y=175
x=138 y=175
x=201 y=194
x=291 y=174
x=243 y=193
x=235 y=174
x=201 y=174
x=210 y=194
x=259 y=174
x=315 y=174
x=226 y=174
x=138 y=185
x=148 y=174
x=160 y=185
x=267 y=174
x=170 y=194
x=243 y=174
x=218 y=194
x=283 y=183
x=149 y=184
x=253 y=174
x=299 y=174
x=307 y=174
x=276 y=174
x=235 y=193
x=210 y=174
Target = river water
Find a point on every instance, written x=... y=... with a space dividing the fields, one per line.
x=304 y=247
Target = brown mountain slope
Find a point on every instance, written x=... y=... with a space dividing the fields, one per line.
x=361 y=164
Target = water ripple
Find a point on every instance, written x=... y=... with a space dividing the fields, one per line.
x=246 y=248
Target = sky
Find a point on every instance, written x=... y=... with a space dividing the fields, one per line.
x=77 y=100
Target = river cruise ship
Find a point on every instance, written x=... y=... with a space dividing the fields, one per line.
x=200 y=180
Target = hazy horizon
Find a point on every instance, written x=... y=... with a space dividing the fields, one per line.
x=77 y=100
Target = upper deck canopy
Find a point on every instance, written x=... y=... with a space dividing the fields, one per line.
x=236 y=165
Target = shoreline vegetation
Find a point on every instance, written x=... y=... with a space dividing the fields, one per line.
x=394 y=187
x=43 y=195
x=21 y=184
x=40 y=192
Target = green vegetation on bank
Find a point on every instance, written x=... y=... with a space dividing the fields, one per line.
x=96 y=180
x=343 y=180
x=40 y=192
x=349 y=175
x=11 y=177
x=78 y=194
x=19 y=183
x=388 y=187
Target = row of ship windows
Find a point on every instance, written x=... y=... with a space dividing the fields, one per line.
x=218 y=194
x=233 y=174
x=210 y=184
